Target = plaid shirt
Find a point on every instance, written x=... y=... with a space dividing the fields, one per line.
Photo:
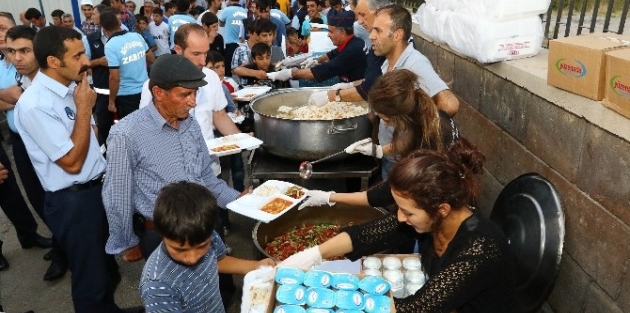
x=88 y=27
x=241 y=57
x=128 y=19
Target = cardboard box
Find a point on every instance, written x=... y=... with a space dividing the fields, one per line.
x=617 y=85
x=578 y=64
x=272 y=301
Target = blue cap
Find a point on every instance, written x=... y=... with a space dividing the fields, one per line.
x=340 y=19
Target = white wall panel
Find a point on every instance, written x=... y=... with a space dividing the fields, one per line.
x=17 y=6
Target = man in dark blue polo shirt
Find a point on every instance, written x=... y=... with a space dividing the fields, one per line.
x=348 y=60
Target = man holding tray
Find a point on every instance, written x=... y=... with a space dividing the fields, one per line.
x=151 y=148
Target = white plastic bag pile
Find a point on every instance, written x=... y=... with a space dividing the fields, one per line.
x=486 y=30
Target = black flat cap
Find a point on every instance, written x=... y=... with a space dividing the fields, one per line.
x=176 y=70
x=340 y=19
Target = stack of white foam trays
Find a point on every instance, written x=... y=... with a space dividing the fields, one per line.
x=486 y=30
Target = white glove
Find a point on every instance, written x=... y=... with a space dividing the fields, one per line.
x=273 y=76
x=304 y=260
x=319 y=98
x=364 y=146
x=308 y=63
x=316 y=198
x=342 y=86
x=282 y=75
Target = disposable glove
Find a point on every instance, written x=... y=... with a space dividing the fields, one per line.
x=308 y=63
x=273 y=76
x=364 y=146
x=304 y=260
x=319 y=98
x=342 y=86
x=316 y=198
x=283 y=75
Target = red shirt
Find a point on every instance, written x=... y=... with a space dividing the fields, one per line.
x=343 y=45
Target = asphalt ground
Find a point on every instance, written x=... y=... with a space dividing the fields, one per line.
x=22 y=287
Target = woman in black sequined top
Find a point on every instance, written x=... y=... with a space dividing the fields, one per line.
x=466 y=256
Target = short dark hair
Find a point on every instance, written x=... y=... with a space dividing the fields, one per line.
x=100 y=8
x=50 y=42
x=169 y=5
x=109 y=20
x=263 y=25
x=317 y=2
x=107 y=3
x=209 y=18
x=400 y=17
x=21 y=32
x=185 y=212
x=158 y=11
x=8 y=16
x=182 y=5
x=214 y=57
x=32 y=13
x=291 y=31
x=261 y=4
x=57 y=13
x=193 y=11
x=260 y=48
x=181 y=35
x=140 y=17
x=317 y=20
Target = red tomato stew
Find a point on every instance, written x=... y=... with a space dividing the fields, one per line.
x=301 y=237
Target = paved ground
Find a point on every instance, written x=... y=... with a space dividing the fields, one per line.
x=22 y=287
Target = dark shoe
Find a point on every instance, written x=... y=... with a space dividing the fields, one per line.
x=49 y=255
x=38 y=241
x=56 y=270
x=137 y=309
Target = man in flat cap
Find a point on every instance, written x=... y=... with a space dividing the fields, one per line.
x=151 y=148
x=348 y=60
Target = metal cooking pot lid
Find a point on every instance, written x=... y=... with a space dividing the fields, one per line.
x=528 y=210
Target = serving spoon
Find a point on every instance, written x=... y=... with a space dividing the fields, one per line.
x=306 y=167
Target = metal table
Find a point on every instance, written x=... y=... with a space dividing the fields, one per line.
x=264 y=166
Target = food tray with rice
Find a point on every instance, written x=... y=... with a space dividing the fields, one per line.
x=232 y=144
x=249 y=93
x=269 y=201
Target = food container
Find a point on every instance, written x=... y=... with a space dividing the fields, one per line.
x=415 y=277
x=396 y=279
x=372 y=272
x=317 y=278
x=304 y=140
x=374 y=285
x=372 y=262
x=344 y=281
x=322 y=298
x=350 y=300
x=291 y=294
x=391 y=263
x=342 y=214
x=411 y=288
x=289 y=275
x=377 y=304
x=287 y=308
x=411 y=263
x=318 y=310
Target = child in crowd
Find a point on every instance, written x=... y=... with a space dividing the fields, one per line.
x=260 y=31
x=295 y=45
x=181 y=274
x=161 y=32
x=261 y=65
x=142 y=27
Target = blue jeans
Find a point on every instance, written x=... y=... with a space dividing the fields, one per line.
x=386 y=167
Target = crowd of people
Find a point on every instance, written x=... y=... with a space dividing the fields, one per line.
x=109 y=117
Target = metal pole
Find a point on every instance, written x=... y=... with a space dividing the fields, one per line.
x=41 y=8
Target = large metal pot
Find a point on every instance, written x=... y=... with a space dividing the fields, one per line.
x=340 y=213
x=303 y=140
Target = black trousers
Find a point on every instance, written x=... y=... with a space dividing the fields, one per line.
x=32 y=187
x=127 y=104
x=104 y=118
x=77 y=219
x=14 y=206
x=150 y=240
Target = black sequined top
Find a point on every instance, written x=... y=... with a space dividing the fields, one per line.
x=475 y=273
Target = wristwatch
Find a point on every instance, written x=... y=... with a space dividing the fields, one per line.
x=337 y=95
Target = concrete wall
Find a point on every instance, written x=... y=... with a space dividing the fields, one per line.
x=520 y=131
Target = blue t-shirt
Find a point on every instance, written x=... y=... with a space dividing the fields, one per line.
x=175 y=21
x=232 y=17
x=306 y=26
x=127 y=52
x=280 y=15
x=148 y=38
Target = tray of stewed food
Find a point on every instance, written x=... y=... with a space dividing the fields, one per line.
x=269 y=200
x=232 y=144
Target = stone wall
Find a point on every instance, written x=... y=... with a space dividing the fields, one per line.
x=521 y=132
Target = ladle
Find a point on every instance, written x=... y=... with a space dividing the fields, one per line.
x=306 y=167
